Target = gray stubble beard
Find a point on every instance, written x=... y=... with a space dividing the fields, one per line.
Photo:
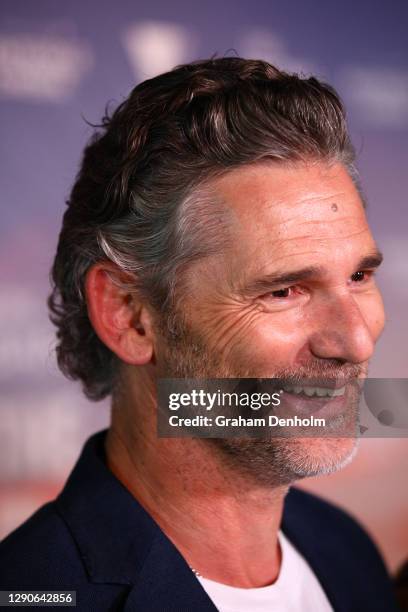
x=267 y=462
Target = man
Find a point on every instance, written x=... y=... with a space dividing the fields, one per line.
x=215 y=229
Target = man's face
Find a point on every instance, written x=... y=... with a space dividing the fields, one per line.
x=292 y=295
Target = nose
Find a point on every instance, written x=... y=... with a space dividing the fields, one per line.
x=342 y=332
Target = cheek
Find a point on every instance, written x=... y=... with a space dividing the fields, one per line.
x=250 y=339
x=274 y=341
x=228 y=330
x=372 y=310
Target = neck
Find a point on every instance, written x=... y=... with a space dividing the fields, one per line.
x=223 y=524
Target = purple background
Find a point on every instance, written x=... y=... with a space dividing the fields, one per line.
x=61 y=63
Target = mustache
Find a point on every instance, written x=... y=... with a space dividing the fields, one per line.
x=326 y=370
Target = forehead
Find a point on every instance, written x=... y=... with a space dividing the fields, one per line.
x=293 y=213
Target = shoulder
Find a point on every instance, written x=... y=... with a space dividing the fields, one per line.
x=339 y=550
x=40 y=550
x=325 y=519
x=42 y=555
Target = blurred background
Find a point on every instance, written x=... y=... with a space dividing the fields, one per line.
x=61 y=63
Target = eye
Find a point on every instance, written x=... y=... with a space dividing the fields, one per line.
x=281 y=293
x=284 y=298
x=361 y=276
x=284 y=293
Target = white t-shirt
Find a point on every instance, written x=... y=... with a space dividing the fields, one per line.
x=295 y=589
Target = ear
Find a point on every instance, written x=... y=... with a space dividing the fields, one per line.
x=120 y=320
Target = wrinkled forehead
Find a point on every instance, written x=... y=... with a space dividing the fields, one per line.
x=280 y=212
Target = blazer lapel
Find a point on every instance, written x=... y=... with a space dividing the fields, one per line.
x=166 y=583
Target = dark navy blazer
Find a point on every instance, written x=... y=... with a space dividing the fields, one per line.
x=96 y=539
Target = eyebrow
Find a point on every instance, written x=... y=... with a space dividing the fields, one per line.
x=263 y=284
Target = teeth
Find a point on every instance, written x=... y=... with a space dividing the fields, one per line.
x=315 y=391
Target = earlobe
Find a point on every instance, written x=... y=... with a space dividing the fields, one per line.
x=121 y=321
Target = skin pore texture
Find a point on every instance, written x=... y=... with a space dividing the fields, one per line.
x=220 y=501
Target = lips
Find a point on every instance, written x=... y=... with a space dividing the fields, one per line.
x=340 y=400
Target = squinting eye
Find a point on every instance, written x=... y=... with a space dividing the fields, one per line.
x=359 y=276
x=281 y=293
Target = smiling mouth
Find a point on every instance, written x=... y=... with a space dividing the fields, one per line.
x=314 y=391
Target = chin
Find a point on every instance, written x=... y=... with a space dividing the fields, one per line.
x=269 y=463
x=318 y=456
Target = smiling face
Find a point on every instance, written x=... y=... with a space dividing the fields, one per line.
x=292 y=294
